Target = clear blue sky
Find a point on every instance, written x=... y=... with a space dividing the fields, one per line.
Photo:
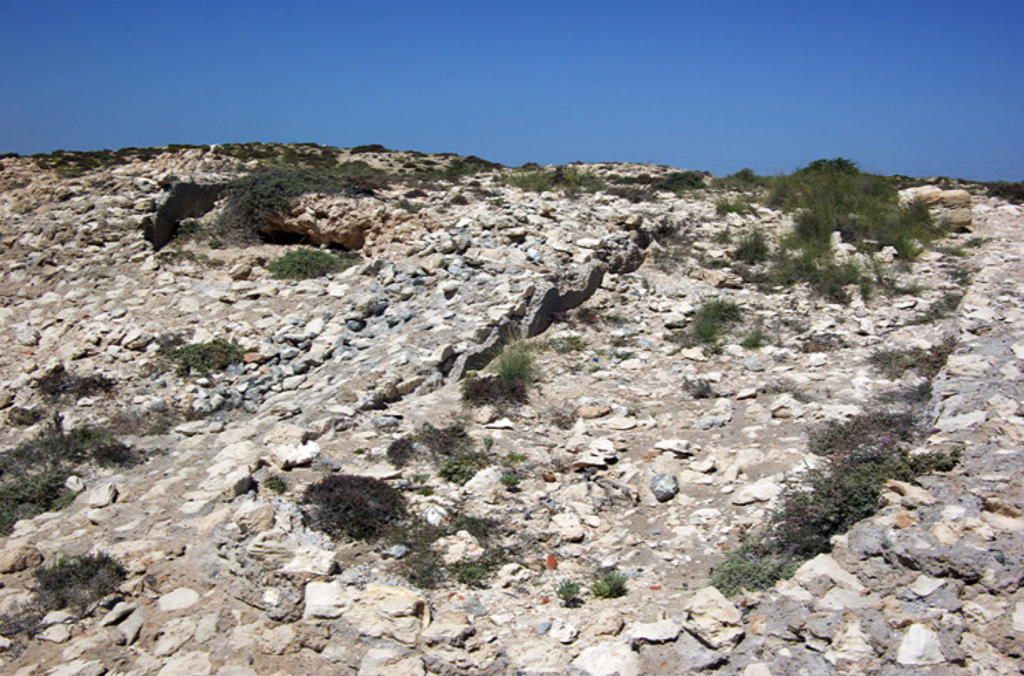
x=901 y=86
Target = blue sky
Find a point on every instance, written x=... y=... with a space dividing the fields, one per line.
x=901 y=86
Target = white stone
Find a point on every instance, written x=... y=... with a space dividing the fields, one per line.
x=607 y=659
x=78 y=668
x=187 y=664
x=327 y=600
x=179 y=599
x=761 y=491
x=458 y=548
x=288 y=456
x=824 y=565
x=100 y=496
x=662 y=631
x=920 y=647
x=961 y=422
x=563 y=631
x=924 y=586
x=712 y=618
x=390 y=612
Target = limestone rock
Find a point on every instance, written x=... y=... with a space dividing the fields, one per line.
x=288 y=456
x=712 y=618
x=390 y=612
x=920 y=647
x=181 y=598
x=16 y=557
x=328 y=600
x=606 y=659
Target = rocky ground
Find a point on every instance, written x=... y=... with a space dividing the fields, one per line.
x=637 y=452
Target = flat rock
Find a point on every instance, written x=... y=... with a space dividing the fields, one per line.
x=606 y=659
x=713 y=618
x=920 y=647
x=179 y=599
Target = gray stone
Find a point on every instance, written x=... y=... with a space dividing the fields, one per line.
x=664 y=486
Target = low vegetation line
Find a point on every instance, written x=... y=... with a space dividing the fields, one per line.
x=859 y=456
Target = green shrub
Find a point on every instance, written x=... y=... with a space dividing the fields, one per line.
x=515 y=363
x=308 y=263
x=423 y=567
x=1011 y=192
x=834 y=195
x=401 y=451
x=567 y=344
x=491 y=390
x=611 y=585
x=941 y=309
x=201 y=359
x=270 y=192
x=509 y=481
x=357 y=507
x=681 y=181
x=32 y=474
x=712 y=317
x=880 y=429
x=60 y=385
x=569 y=592
x=566 y=179
x=831 y=499
x=275 y=484
x=463 y=466
x=744 y=179
x=728 y=205
x=752 y=248
x=23 y=497
x=825 y=277
x=756 y=338
x=78 y=582
x=893 y=363
x=752 y=567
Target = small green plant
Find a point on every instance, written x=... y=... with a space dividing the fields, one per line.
x=357 y=507
x=515 y=457
x=33 y=474
x=78 y=582
x=752 y=248
x=411 y=207
x=59 y=385
x=201 y=359
x=515 y=363
x=893 y=363
x=569 y=592
x=756 y=338
x=401 y=451
x=510 y=481
x=727 y=205
x=492 y=390
x=275 y=484
x=753 y=567
x=271 y=191
x=306 y=263
x=611 y=585
x=567 y=179
x=462 y=467
x=681 y=181
x=567 y=344
x=712 y=318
